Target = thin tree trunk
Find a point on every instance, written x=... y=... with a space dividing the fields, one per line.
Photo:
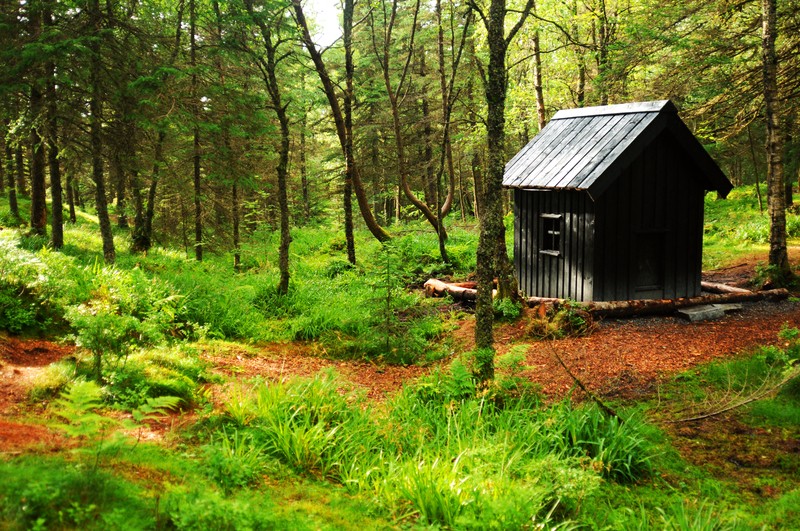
x=755 y=170
x=198 y=207
x=778 y=257
x=71 y=197
x=117 y=174
x=237 y=257
x=338 y=117
x=477 y=184
x=351 y=178
x=3 y=169
x=491 y=255
x=19 y=158
x=392 y=92
x=304 y=169
x=38 y=181
x=56 y=192
x=537 y=81
x=12 y=185
x=95 y=133
x=269 y=68
x=142 y=237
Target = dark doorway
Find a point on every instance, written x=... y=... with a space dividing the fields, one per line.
x=649 y=267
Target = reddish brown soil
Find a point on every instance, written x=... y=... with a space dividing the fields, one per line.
x=281 y=361
x=20 y=362
x=622 y=358
x=763 y=462
x=625 y=358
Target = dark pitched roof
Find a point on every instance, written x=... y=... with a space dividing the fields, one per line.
x=587 y=148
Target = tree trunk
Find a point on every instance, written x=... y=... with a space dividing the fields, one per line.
x=537 y=81
x=336 y=111
x=95 y=133
x=491 y=255
x=351 y=172
x=237 y=257
x=755 y=170
x=19 y=158
x=12 y=185
x=392 y=92
x=38 y=181
x=56 y=192
x=778 y=257
x=3 y=171
x=71 y=197
x=198 y=206
x=117 y=174
x=477 y=184
x=304 y=169
x=269 y=69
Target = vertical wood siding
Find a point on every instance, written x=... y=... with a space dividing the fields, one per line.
x=653 y=209
x=568 y=274
x=657 y=198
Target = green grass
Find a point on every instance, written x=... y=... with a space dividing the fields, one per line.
x=313 y=453
x=735 y=227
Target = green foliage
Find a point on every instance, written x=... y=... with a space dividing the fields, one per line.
x=736 y=227
x=39 y=493
x=438 y=450
x=16 y=313
x=159 y=371
x=506 y=309
x=234 y=460
x=78 y=407
x=567 y=319
x=617 y=449
x=699 y=518
x=199 y=509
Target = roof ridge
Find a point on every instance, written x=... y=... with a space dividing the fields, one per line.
x=621 y=108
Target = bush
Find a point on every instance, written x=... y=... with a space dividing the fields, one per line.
x=567 y=319
x=234 y=460
x=17 y=313
x=617 y=448
x=201 y=509
x=39 y=493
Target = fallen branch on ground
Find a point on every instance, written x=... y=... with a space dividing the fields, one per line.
x=761 y=392
x=715 y=287
x=602 y=405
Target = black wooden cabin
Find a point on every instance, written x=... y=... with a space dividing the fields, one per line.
x=608 y=205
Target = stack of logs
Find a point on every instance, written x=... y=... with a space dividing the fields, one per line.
x=719 y=294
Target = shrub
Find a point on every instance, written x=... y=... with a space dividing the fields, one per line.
x=17 y=312
x=39 y=493
x=617 y=449
x=233 y=460
x=506 y=309
x=567 y=319
x=200 y=509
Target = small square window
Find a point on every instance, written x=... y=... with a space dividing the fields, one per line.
x=551 y=234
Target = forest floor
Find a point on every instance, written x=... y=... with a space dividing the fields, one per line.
x=625 y=359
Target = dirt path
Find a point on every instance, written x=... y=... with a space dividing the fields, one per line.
x=625 y=358
x=281 y=361
x=622 y=358
x=21 y=361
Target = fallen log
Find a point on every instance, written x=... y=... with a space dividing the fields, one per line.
x=438 y=288
x=715 y=287
x=666 y=306
x=461 y=291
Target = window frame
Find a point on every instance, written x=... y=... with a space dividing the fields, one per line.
x=552 y=230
